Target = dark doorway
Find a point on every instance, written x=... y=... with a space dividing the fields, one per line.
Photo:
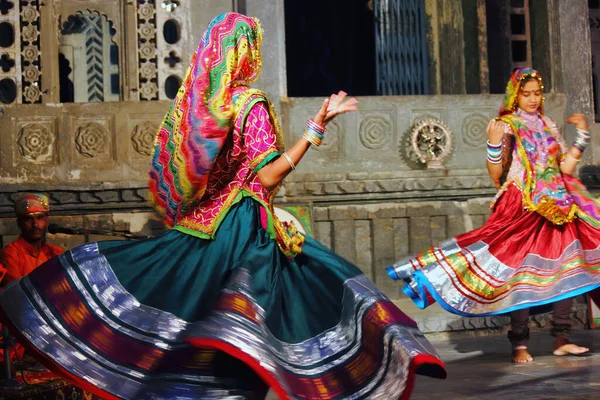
x=330 y=46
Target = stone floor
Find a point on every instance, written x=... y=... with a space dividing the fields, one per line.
x=480 y=368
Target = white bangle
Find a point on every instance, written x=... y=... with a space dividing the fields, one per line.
x=570 y=155
x=289 y=160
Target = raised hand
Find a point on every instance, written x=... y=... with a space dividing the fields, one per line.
x=495 y=131
x=579 y=121
x=335 y=105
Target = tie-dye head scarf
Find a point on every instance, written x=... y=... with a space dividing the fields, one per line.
x=199 y=120
x=513 y=87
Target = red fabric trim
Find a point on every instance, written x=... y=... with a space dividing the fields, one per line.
x=416 y=362
x=51 y=365
x=251 y=362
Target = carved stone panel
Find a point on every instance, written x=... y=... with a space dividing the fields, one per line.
x=332 y=141
x=30 y=51
x=93 y=140
x=376 y=130
x=10 y=59
x=146 y=43
x=142 y=138
x=172 y=26
x=35 y=142
x=474 y=126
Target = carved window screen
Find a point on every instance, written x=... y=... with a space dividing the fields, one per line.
x=162 y=54
x=20 y=74
x=133 y=50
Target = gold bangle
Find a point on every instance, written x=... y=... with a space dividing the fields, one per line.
x=289 y=160
x=311 y=138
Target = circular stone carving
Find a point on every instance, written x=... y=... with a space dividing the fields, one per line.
x=31 y=73
x=148 y=70
x=431 y=141
x=29 y=14
x=146 y=11
x=332 y=137
x=30 y=53
x=148 y=51
x=375 y=131
x=32 y=93
x=29 y=33
x=143 y=137
x=35 y=142
x=149 y=90
x=91 y=139
x=474 y=129
x=147 y=31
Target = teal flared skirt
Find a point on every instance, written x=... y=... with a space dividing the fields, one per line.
x=177 y=316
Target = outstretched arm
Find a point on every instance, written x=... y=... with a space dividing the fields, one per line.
x=573 y=155
x=272 y=174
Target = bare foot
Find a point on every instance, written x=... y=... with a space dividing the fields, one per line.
x=521 y=356
x=562 y=347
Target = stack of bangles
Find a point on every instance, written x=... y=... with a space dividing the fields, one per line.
x=314 y=133
x=494 y=153
x=582 y=141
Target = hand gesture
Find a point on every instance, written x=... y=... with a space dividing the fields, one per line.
x=579 y=121
x=335 y=105
x=495 y=131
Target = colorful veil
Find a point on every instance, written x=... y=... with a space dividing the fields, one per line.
x=512 y=90
x=194 y=130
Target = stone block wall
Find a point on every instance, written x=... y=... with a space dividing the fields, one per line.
x=378 y=234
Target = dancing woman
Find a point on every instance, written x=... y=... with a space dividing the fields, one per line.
x=229 y=301
x=541 y=242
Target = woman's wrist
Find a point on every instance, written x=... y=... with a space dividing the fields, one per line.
x=494 y=153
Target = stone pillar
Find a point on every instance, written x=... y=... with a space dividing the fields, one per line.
x=272 y=79
x=545 y=42
x=446 y=46
x=576 y=59
x=451 y=47
x=202 y=12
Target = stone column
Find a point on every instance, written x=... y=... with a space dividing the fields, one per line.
x=576 y=58
x=446 y=46
x=202 y=12
x=451 y=47
x=272 y=79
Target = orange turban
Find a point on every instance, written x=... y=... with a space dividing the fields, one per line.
x=30 y=203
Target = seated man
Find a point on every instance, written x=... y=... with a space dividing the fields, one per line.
x=30 y=250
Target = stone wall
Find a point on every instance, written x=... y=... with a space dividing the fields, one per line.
x=367 y=155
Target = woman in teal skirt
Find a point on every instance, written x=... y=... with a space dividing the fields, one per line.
x=229 y=301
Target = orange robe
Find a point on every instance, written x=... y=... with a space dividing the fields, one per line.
x=19 y=258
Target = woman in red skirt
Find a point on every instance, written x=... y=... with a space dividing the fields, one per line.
x=540 y=245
